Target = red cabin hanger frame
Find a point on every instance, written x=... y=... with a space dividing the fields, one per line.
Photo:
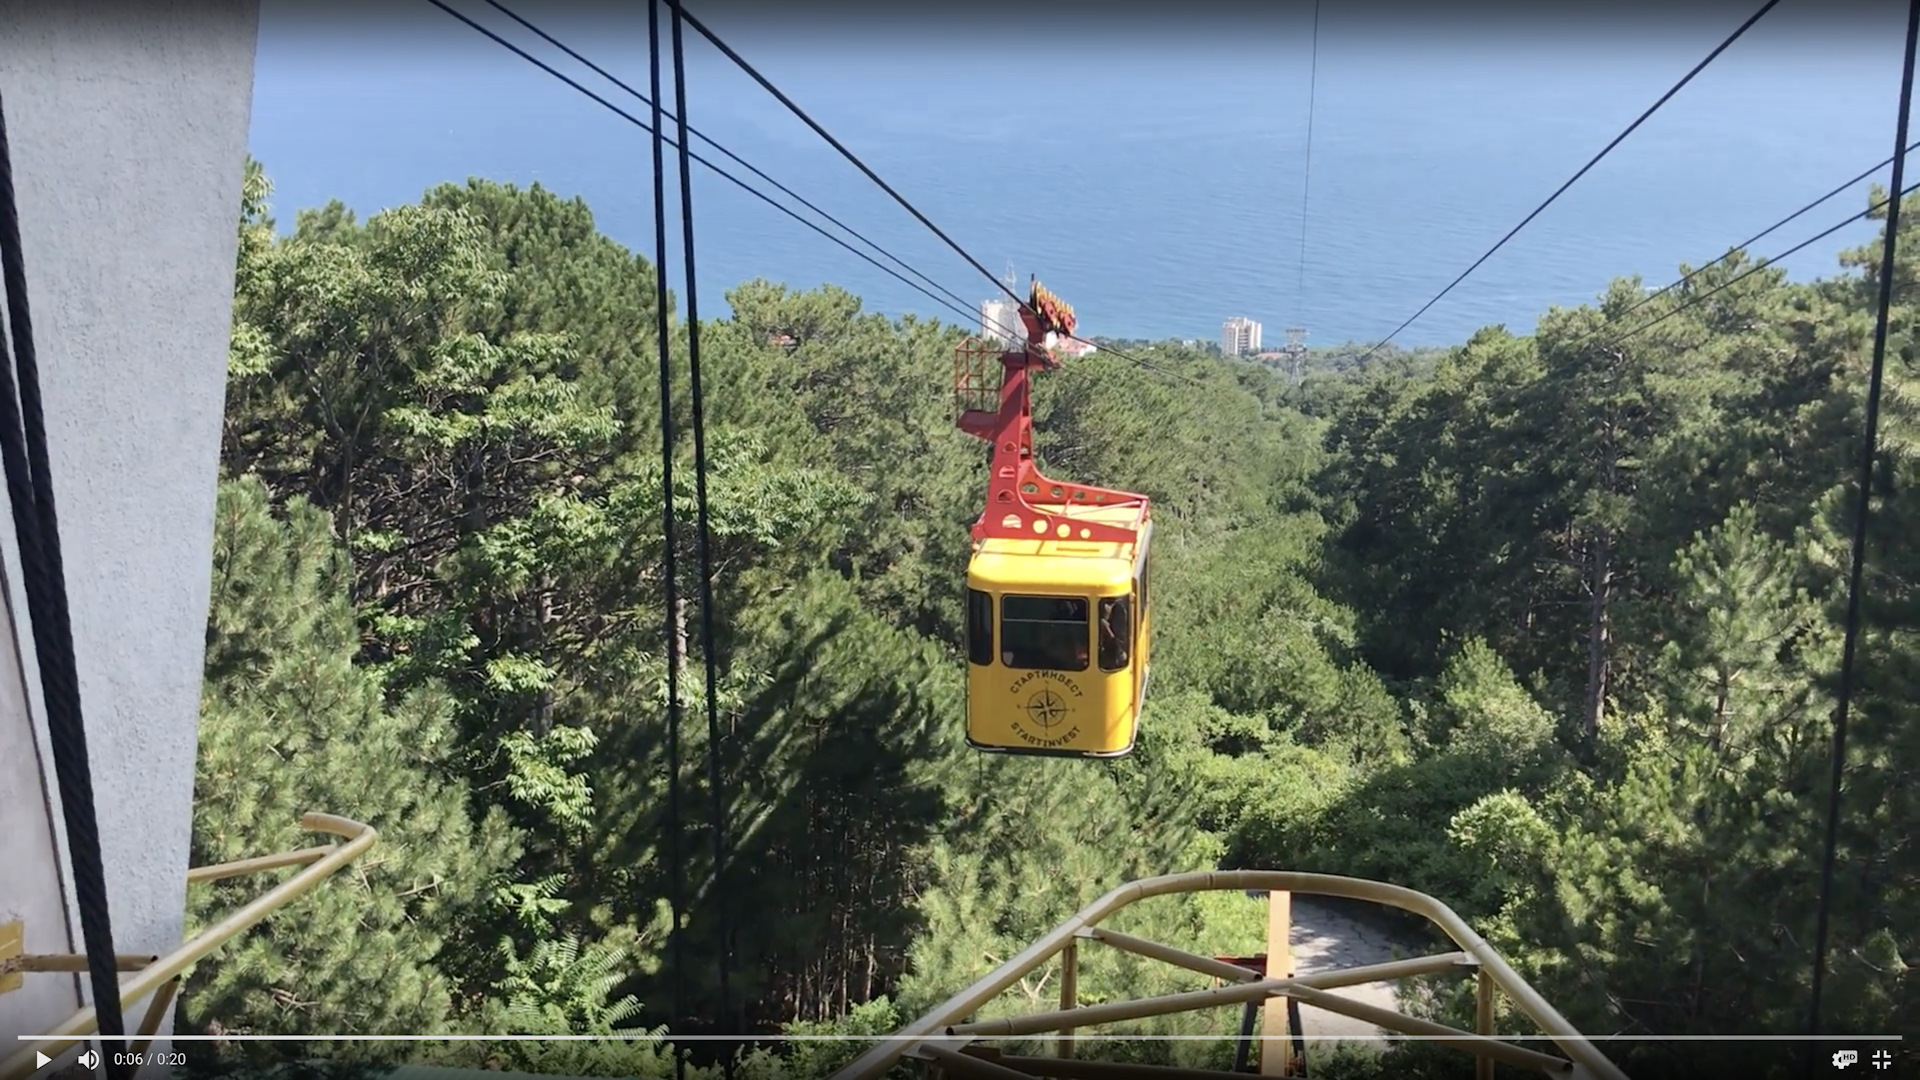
x=1023 y=503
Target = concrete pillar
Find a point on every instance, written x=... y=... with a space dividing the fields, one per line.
x=129 y=129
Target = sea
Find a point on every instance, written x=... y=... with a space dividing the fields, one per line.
x=1331 y=166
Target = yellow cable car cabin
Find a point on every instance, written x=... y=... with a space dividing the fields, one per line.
x=1057 y=655
x=1057 y=605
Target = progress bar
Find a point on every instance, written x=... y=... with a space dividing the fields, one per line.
x=935 y=1037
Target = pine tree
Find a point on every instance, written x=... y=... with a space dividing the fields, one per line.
x=290 y=724
x=1875 y=938
x=1742 y=631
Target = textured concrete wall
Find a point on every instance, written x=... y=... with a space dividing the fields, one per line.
x=30 y=865
x=129 y=129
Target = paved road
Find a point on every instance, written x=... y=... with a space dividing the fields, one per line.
x=1326 y=937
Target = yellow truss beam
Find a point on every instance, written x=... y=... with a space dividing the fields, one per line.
x=942 y=1032
x=161 y=976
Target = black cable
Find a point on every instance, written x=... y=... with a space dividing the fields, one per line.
x=1306 y=172
x=728 y=1026
x=1131 y=359
x=969 y=316
x=737 y=159
x=741 y=62
x=1862 y=511
x=1761 y=235
x=23 y=448
x=1695 y=301
x=668 y=562
x=1617 y=140
x=965 y=314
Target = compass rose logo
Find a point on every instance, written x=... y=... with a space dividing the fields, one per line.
x=1046 y=708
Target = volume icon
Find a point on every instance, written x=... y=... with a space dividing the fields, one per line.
x=90 y=1059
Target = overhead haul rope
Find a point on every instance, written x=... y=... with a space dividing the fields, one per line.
x=793 y=107
x=1617 y=140
x=1695 y=301
x=1148 y=364
x=23 y=453
x=724 y=174
x=737 y=159
x=741 y=63
x=719 y=811
x=1862 y=510
x=1766 y=232
x=965 y=314
x=670 y=543
x=968 y=316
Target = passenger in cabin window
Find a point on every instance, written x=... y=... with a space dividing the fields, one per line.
x=1115 y=633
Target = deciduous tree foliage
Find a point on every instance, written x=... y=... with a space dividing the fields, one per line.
x=1546 y=625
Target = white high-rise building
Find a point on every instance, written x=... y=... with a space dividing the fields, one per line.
x=1000 y=321
x=1239 y=335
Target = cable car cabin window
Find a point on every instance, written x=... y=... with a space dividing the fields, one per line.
x=979 y=627
x=1044 y=632
x=1116 y=632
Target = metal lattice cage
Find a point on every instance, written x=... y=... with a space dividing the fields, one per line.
x=976 y=376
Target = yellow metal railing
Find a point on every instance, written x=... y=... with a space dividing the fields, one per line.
x=945 y=1039
x=161 y=975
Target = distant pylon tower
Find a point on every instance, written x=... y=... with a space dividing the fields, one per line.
x=1296 y=350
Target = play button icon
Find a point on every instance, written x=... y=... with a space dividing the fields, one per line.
x=40 y=1060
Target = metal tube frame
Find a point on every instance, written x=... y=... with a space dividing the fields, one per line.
x=1099 y=1070
x=69 y=963
x=1483 y=1019
x=1069 y=992
x=161 y=976
x=1255 y=989
x=932 y=1034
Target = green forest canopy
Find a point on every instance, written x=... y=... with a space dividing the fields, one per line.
x=1546 y=626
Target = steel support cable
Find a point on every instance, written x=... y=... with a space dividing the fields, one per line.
x=1617 y=140
x=1763 y=234
x=1862 y=512
x=964 y=313
x=969 y=316
x=740 y=62
x=29 y=477
x=670 y=542
x=1695 y=301
x=719 y=809
x=1132 y=359
x=735 y=158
